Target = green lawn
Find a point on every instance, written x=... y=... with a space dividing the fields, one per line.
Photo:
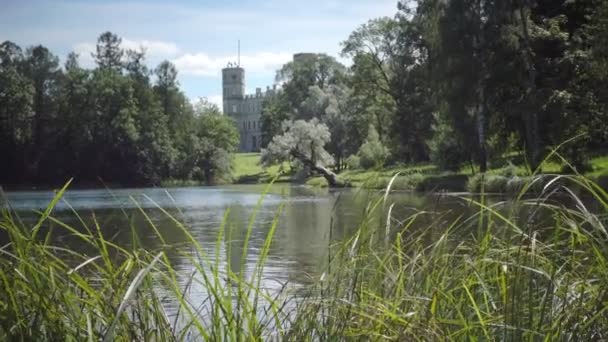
x=247 y=169
x=422 y=177
x=427 y=177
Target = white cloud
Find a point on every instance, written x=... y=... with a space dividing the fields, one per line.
x=84 y=51
x=201 y=64
x=154 y=50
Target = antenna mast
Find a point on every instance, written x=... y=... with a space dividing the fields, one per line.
x=239 y=49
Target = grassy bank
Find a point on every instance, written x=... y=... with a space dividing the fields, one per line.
x=498 y=274
x=428 y=177
x=247 y=169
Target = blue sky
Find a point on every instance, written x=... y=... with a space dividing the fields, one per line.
x=200 y=37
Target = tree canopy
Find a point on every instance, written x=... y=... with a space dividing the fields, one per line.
x=110 y=123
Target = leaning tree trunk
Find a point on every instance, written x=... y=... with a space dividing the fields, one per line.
x=332 y=178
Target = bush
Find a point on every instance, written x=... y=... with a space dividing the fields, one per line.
x=446 y=149
x=496 y=183
x=372 y=153
x=353 y=162
x=508 y=171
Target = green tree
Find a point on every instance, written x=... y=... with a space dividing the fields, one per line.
x=42 y=67
x=275 y=110
x=108 y=53
x=301 y=74
x=372 y=153
x=211 y=144
x=75 y=120
x=390 y=76
x=16 y=111
x=156 y=151
x=174 y=104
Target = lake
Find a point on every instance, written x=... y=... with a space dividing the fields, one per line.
x=310 y=221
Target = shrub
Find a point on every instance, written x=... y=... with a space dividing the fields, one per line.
x=353 y=162
x=372 y=153
x=474 y=182
x=446 y=150
x=496 y=183
x=508 y=171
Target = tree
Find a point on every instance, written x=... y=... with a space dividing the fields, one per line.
x=203 y=107
x=301 y=74
x=136 y=67
x=109 y=123
x=372 y=153
x=75 y=120
x=275 y=110
x=390 y=76
x=16 y=107
x=42 y=68
x=108 y=53
x=334 y=107
x=303 y=141
x=173 y=102
x=211 y=143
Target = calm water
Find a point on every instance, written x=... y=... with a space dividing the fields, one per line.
x=311 y=220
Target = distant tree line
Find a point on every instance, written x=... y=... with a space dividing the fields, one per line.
x=455 y=82
x=119 y=123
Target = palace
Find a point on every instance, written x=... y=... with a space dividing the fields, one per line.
x=246 y=109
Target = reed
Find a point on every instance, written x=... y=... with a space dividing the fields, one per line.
x=500 y=273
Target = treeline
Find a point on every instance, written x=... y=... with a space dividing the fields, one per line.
x=120 y=122
x=456 y=82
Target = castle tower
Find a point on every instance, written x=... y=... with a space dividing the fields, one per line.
x=233 y=84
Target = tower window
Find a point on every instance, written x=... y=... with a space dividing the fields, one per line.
x=254 y=125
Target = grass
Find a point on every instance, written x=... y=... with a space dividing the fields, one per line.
x=247 y=169
x=427 y=177
x=503 y=272
x=423 y=177
x=599 y=167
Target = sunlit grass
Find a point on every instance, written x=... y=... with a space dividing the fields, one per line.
x=599 y=167
x=247 y=168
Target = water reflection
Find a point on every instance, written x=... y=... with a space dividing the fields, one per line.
x=309 y=223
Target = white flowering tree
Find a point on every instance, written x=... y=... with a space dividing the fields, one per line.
x=303 y=141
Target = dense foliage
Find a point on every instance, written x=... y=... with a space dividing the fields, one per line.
x=462 y=81
x=120 y=122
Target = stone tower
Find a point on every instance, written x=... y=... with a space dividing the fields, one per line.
x=233 y=84
x=246 y=109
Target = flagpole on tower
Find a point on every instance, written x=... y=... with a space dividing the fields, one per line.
x=239 y=49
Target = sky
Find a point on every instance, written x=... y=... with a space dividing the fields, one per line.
x=199 y=37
